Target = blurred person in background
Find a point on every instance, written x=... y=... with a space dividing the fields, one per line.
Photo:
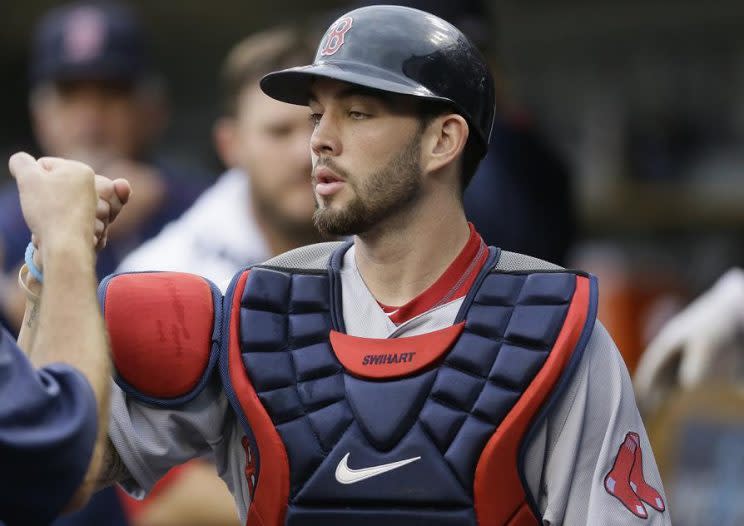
x=261 y=206
x=521 y=196
x=689 y=384
x=95 y=98
x=703 y=343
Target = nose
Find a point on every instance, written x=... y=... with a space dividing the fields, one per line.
x=325 y=138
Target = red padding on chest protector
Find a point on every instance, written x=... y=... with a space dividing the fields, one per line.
x=160 y=325
x=269 y=504
x=499 y=495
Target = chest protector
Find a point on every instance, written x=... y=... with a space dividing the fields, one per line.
x=427 y=430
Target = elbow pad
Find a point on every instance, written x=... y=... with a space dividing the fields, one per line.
x=164 y=330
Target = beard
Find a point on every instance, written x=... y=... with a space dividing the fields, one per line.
x=379 y=196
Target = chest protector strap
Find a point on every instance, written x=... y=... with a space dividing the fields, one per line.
x=164 y=329
x=427 y=431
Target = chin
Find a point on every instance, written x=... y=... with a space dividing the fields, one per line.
x=331 y=202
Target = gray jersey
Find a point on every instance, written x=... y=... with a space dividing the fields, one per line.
x=571 y=465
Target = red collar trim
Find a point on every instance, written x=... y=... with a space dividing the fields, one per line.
x=453 y=284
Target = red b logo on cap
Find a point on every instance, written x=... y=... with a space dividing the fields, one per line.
x=335 y=38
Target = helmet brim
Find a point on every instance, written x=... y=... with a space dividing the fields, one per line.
x=293 y=85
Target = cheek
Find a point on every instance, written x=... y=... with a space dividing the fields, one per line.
x=124 y=121
x=276 y=170
x=259 y=155
x=289 y=158
x=56 y=128
x=370 y=147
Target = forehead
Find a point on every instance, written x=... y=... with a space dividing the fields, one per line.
x=254 y=104
x=323 y=90
x=94 y=86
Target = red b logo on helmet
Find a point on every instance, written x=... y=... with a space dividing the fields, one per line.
x=335 y=38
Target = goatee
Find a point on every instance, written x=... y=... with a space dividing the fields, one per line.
x=381 y=195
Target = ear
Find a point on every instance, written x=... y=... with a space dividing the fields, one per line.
x=224 y=134
x=38 y=107
x=444 y=141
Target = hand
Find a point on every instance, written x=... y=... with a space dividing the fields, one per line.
x=697 y=344
x=112 y=196
x=40 y=184
x=58 y=197
x=150 y=192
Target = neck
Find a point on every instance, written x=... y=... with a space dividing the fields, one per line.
x=406 y=254
x=280 y=240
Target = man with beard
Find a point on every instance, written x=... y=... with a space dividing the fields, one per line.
x=263 y=205
x=412 y=376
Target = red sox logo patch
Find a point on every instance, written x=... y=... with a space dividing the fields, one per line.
x=84 y=35
x=336 y=36
x=250 y=467
x=626 y=483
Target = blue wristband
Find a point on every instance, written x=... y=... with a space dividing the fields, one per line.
x=32 y=268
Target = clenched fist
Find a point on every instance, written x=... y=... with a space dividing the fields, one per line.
x=64 y=201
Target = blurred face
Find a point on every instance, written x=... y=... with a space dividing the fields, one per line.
x=270 y=142
x=91 y=121
x=366 y=153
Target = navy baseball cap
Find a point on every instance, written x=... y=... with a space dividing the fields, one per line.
x=89 y=41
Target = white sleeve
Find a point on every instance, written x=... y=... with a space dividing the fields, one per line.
x=151 y=440
x=599 y=467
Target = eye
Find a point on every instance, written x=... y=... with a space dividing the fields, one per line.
x=358 y=115
x=314 y=118
x=279 y=131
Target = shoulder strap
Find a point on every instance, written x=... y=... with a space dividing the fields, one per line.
x=312 y=257
x=514 y=262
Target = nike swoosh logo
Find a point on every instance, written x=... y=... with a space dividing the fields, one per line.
x=346 y=475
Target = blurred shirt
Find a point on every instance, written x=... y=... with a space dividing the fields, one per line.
x=48 y=424
x=215 y=238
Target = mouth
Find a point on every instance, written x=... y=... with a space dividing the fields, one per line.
x=326 y=182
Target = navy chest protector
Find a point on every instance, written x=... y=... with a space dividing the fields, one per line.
x=428 y=430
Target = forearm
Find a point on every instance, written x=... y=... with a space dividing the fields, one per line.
x=70 y=327
x=12 y=300
x=66 y=326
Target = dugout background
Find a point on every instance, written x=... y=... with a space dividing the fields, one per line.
x=645 y=98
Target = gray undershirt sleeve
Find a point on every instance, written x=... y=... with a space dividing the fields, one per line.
x=152 y=440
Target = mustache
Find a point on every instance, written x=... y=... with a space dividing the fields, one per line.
x=331 y=165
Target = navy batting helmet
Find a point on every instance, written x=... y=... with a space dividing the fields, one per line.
x=398 y=50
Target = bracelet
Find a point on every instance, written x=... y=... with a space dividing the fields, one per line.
x=22 y=275
x=32 y=268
